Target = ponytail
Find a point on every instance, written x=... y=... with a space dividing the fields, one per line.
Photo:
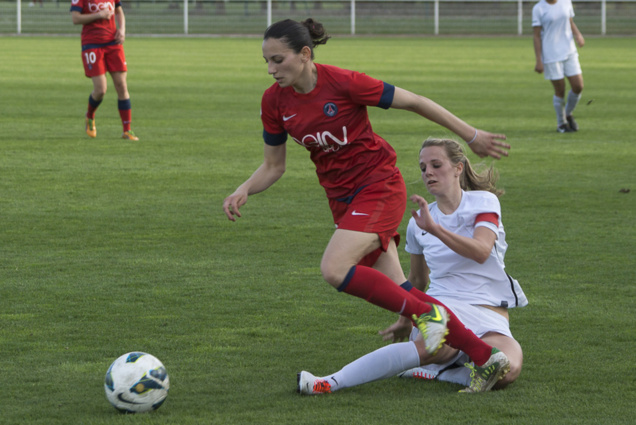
x=298 y=34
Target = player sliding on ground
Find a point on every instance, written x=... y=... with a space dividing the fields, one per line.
x=324 y=109
x=459 y=241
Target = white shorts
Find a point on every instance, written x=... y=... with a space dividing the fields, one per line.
x=478 y=319
x=562 y=69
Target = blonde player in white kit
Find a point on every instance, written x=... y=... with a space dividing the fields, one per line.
x=458 y=243
x=556 y=56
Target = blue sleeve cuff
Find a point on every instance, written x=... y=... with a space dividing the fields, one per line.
x=274 y=139
x=387 y=96
x=76 y=9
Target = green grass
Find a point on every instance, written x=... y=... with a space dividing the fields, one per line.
x=108 y=246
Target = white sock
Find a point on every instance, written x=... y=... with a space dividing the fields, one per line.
x=458 y=375
x=383 y=363
x=573 y=100
x=559 y=107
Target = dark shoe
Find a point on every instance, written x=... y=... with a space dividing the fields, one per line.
x=573 y=125
x=564 y=128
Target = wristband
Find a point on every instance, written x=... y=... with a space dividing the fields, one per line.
x=473 y=139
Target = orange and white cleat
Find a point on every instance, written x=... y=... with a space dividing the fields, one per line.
x=129 y=135
x=310 y=385
x=91 y=130
x=419 y=373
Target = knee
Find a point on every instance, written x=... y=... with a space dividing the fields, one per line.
x=445 y=354
x=332 y=274
x=98 y=93
x=122 y=91
x=578 y=88
x=515 y=371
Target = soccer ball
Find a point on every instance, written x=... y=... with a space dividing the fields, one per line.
x=136 y=382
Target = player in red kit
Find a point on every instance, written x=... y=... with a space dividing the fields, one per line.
x=103 y=35
x=324 y=109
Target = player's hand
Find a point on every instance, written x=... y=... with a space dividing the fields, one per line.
x=424 y=220
x=580 y=40
x=538 y=67
x=489 y=144
x=120 y=36
x=399 y=331
x=232 y=203
x=106 y=13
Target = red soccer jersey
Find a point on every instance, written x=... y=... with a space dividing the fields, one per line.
x=100 y=31
x=332 y=123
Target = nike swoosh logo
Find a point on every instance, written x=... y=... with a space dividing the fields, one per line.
x=437 y=316
x=119 y=396
x=358 y=213
x=289 y=117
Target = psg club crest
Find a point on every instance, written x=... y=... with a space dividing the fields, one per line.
x=330 y=109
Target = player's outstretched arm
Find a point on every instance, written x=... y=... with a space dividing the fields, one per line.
x=486 y=144
x=272 y=168
x=480 y=142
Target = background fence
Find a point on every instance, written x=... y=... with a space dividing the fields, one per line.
x=378 y=17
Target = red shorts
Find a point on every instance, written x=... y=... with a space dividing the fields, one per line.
x=101 y=59
x=377 y=208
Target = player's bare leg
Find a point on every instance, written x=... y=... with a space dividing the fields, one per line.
x=345 y=249
x=513 y=351
x=94 y=100
x=340 y=269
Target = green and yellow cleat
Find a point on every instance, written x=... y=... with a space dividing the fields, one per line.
x=432 y=325
x=483 y=378
x=129 y=135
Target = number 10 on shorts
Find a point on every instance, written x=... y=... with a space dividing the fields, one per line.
x=90 y=58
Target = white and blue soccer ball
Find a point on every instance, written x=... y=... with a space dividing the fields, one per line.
x=136 y=382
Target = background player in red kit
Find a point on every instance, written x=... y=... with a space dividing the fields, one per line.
x=103 y=35
x=323 y=108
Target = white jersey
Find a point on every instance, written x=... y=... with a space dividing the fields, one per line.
x=557 y=41
x=458 y=277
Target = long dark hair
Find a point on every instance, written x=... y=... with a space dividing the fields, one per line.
x=298 y=34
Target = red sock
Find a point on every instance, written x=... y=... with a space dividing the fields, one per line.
x=92 y=107
x=125 y=115
x=90 y=114
x=375 y=287
x=458 y=335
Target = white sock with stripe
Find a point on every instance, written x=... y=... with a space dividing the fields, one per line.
x=383 y=363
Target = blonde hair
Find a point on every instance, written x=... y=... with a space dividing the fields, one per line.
x=469 y=179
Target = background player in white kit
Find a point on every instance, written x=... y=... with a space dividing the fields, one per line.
x=460 y=239
x=557 y=57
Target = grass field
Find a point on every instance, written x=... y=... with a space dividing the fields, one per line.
x=108 y=246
